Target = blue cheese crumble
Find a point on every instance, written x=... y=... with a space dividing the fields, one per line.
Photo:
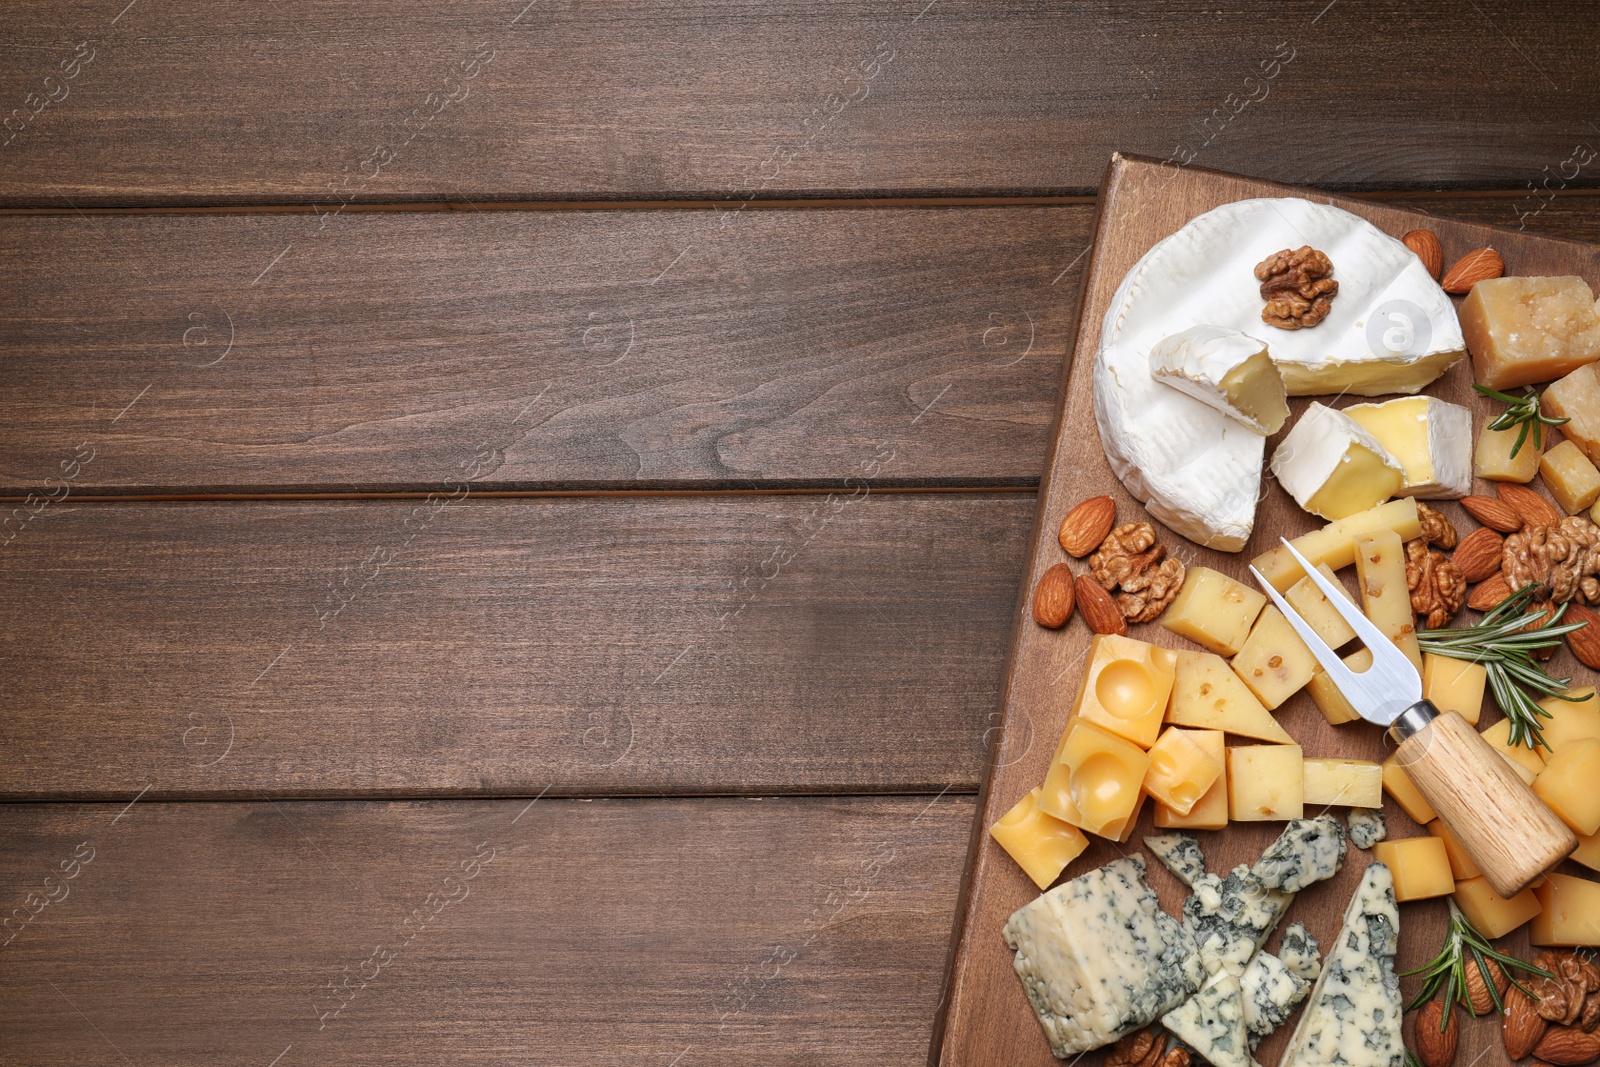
x=1180 y=854
x=1308 y=851
x=1367 y=827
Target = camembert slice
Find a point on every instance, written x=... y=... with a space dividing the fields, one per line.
x=1226 y=370
x=1333 y=467
x=1432 y=440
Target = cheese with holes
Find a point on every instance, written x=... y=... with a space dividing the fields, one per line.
x=1333 y=467
x=1181 y=770
x=1212 y=1022
x=1431 y=438
x=1320 y=613
x=1381 y=573
x=1210 y=812
x=1266 y=782
x=1041 y=844
x=1335 y=544
x=1213 y=611
x=1103 y=776
x=1207 y=694
x=1391 y=329
x=1098 y=957
x=1226 y=370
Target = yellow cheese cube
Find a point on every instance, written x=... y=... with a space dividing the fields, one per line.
x=1525 y=330
x=1493 y=459
x=1318 y=611
x=1210 y=812
x=1399 y=785
x=1525 y=761
x=1420 y=866
x=1055 y=796
x=1213 y=611
x=1180 y=771
x=1124 y=830
x=1570 y=784
x=1570 y=477
x=1104 y=775
x=1381 y=568
x=1041 y=844
x=1350 y=783
x=1328 y=697
x=1207 y=694
x=1569 y=912
x=1571 y=719
x=1588 y=852
x=1461 y=865
x=1126 y=687
x=1577 y=397
x=1454 y=685
x=1335 y=543
x=1266 y=782
x=1274 y=663
x=1493 y=915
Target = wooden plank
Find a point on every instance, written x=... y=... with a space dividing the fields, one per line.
x=735 y=931
x=988 y=1018
x=573 y=350
x=849 y=642
x=306 y=101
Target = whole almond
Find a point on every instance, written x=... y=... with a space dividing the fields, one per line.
x=1488 y=595
x=1053 y=598
x=1476 y=266
x=1534 y=509
x=1478 y=990
x=1522 y=1028
x=1102 y=613
x=1478 y=554
x=1087 y=525
x=1425 y=243
x=1585 y=643
x=1435 y=1047
x=1495 y=514
x=1568 y=1046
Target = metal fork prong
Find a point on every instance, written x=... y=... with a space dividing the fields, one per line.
x=1319 y=648
x=1374 y=638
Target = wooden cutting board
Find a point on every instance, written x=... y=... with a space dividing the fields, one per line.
x=987 y=1019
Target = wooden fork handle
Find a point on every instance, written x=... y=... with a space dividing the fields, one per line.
x=1510 y=834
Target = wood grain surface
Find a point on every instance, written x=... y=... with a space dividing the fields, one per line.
x=847 y=642
x=695 y=932
x=186 y=102
x=988 y=1020
x=380 y=354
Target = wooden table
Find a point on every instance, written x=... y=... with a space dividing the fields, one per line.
x=514 y=511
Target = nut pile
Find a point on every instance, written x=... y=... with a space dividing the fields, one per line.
x=1131 y=578
x=1143 y=1048
x=1561 y=1027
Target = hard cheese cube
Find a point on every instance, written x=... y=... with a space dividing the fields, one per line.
x=1104 y=774
x=1493 y=459
x=1399 y=785
x=1571 y=478
x=1569 y=912
x=1274 y=663
x=1266 y=782
x=1525 y=330
x=1318 y=611
x=1454 y=685
x=1381 y=568
x=1207 y=694
x=1588 y=852
x=1571 y=719
x=1180 y=771
x=1335 y=543
x=1494 y=915
x=1431 y=438
x=1041 y=844
x=1330 y=698
x=1126 y=687
x=1577 y=397
x=1570 y=784
x=1210 y=812
x=1420 y=866
x=1462 y=866
x=1350 y=783
x=1525 y=761
x=1213 y=611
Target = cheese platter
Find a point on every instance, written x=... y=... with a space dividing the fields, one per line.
x=1191 y=846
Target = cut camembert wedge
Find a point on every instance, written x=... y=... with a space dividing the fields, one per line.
x=1226 y=370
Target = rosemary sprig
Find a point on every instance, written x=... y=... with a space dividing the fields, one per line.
x=1520 y=411
x=1501 y=643
x=1449 y=969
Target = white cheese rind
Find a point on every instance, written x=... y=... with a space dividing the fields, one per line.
x=1271 y=992
x=1447 y=453
x=1353 y=1016
x=1312 y=452
x=1199 y=361
x=1308 y=851
x=1099 y=958
x=1212 y=1022
x=1180 y=854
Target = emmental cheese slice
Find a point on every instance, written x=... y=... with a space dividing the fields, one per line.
x=1431 y=439
x=1333 y=467
x=1226 y=370
x=1041 y=844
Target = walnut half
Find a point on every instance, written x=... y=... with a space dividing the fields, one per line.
x=1297 y=286
x=1130 y=559
x=1438 y=590
x=1564 y=560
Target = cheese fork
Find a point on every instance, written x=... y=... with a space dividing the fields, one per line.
x=1509 y=833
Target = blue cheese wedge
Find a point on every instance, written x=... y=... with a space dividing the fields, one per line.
x=1212 y=1023
x=1230 y=918
x=1299 y=952
x=1098 y=957
x=1367 y=827
x=1308 y=851
x=1180 y=854
x=1353 y=1016
x=1271 y=992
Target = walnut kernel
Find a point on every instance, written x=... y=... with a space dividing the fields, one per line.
x=1438 y=590
x=1297 y=287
